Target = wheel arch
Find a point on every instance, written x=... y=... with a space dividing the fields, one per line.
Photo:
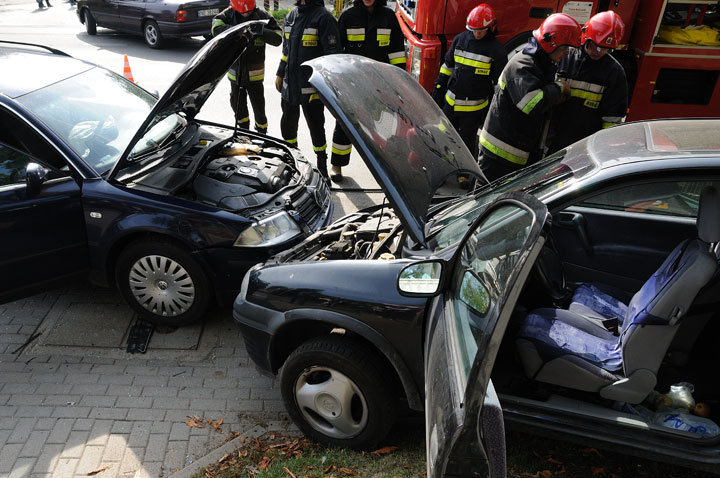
x=303 y=325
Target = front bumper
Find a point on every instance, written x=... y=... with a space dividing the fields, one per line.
x=257 y=325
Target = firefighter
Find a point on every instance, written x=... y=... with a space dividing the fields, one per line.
x=247 y=74
x=518 y=121
x=599 y=93
x=367 y=28
x=472 y=66
x=310 y=32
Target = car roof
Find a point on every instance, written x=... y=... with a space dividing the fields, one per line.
x=655 y=140
x=27 y=69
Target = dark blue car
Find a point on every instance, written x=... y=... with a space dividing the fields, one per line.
x=98 y=176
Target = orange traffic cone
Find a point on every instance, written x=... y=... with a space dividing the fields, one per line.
x=126 y=70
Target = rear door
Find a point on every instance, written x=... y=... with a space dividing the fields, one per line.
x=130 y=14
x=42 y=233
x=464 y=427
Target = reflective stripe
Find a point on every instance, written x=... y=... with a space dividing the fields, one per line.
x=215 y=24
x=528 y=102
x=232 y=77
x=584 y=85
x=608 y=125
x=586 y=95
x=284 y=58
x=308 y=91
x=465 y=105
x=287 y=31
x=397 y=57
x=320 y=148
x=502 y=84
x=256 y=75
x=356 y=34
x=314 y=96
x=502 y=149
x=613 y=119
x=444 y=70
x=397 y=61
x=244 y=120
x=341 y=149
x=383 y=36
x=291 y=141
x=310 y=31
x=383 y=31
x=310 y=37
x=264 y=125
x=472 y=59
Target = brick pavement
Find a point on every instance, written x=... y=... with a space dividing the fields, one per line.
x=67 y=411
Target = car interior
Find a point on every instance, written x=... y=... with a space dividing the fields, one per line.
x=618 y=321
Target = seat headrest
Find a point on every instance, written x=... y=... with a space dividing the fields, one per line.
x=708 y=218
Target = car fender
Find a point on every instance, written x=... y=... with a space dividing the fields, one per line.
x=342 y=324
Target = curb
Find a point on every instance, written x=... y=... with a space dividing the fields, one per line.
x=215 y=455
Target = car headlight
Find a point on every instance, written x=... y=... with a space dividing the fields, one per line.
x=415 y=62
x=272 y=230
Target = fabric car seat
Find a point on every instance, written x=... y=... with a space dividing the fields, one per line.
x=574 y=349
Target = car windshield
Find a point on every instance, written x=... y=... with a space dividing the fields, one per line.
x=450 y=223
x=96 y=113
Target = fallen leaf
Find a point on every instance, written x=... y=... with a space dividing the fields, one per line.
x=553 y=460
x=264 y=463
x=99 y=470
x=590 y=451
x=545 y=473
x=215 y=424
x=330 y=468
x=242 y=440
x=384 y=450
x=348 y=471
x=596 y=471
x=195 y=421
x=224 y=457
x=290 y=473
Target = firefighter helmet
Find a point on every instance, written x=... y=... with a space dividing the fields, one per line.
x=605 y=29
x=557 y=30
x=243 y=6
x=481 y=17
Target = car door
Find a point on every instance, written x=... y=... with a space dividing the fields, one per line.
x=42 y=229
x=105 y=12
x=464 y=427
x=621 y=234
x=130 y=14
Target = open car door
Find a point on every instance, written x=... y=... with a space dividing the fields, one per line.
x=465 y=327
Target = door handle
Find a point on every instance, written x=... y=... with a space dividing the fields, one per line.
x=576 y=221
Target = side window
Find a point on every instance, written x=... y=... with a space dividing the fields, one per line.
x=21 y=145
x=668 y=198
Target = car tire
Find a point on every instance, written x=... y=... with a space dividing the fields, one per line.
x=90 y=24
x=163 y=283
x=338 y=392
x=151 y=34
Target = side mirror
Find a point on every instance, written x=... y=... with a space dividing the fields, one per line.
x=35 y=176
x=422 y=278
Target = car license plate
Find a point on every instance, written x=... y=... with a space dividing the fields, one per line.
x=208 y=12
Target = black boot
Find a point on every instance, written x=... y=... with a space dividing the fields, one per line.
x=322 y=164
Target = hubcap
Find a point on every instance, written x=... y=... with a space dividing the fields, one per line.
x=161 y=285
x=151 y=34
x=331 y=402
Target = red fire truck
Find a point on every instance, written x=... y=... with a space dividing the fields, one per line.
x=670 y=52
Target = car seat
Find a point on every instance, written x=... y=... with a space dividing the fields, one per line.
x=574 y=347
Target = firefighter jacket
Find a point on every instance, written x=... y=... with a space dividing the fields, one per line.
x=525 y=96
x=310 y=31
x=598 y=98
x=250 y=67
x=377 y=35
x=470 y=70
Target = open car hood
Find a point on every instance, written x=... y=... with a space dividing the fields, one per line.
x=195 y=83
x=404 y=138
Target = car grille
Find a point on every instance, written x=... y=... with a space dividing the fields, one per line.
x=311 y=202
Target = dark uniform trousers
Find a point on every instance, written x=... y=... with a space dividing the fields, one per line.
x=377 y=36
x=238 y=100
x=467 y=125
x=314 y=113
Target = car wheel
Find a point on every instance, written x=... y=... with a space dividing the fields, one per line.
x=337 y=392
x=163 y=283
x=90 y=25
x=152 y=35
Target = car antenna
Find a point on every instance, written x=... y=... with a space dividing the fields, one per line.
x=382 y=211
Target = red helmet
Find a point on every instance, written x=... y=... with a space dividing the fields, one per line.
x=243 y=6
x=557 y=30
x=481 y=17
x=605 y=29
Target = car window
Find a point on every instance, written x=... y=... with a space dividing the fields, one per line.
x=96 y=113
x=668 y=198
x=21 y=145
x=480 y=278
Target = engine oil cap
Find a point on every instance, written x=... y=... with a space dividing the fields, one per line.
x=386 y=256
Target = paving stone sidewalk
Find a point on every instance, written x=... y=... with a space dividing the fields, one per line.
x=68 y=410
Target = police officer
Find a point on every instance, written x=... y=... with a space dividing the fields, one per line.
x=599 y=93
x=310 y=31
x=518 y=121
x=246 y=75
x=472 y=66
x=367 y=28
